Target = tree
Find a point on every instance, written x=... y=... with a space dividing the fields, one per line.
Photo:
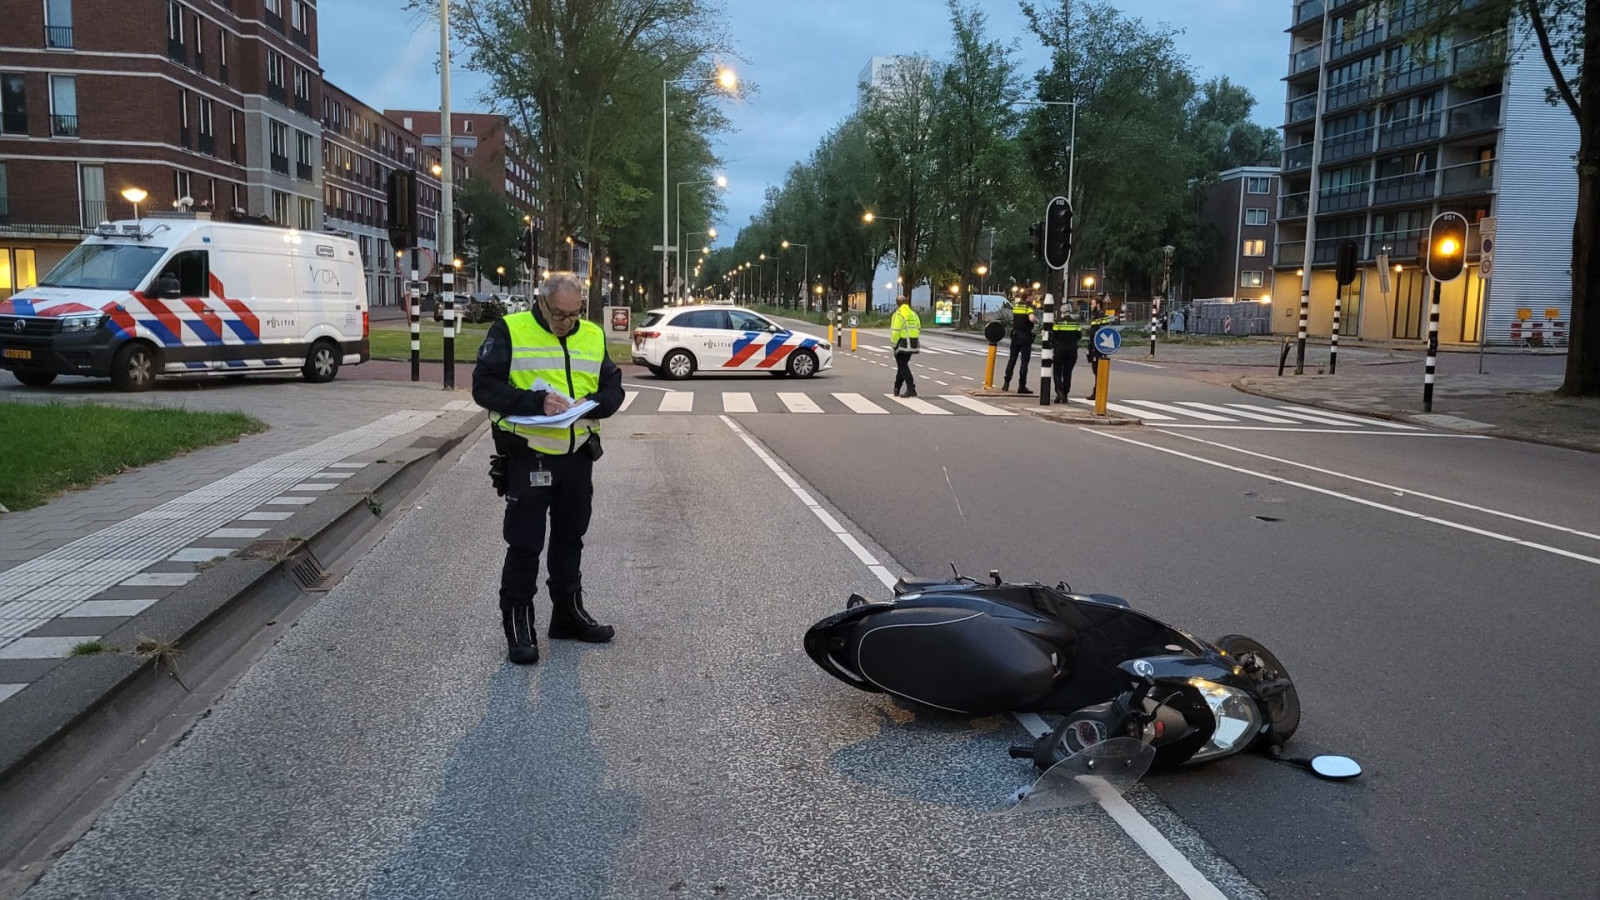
x=897 y=120
x=1566 y=35
x=494 y=229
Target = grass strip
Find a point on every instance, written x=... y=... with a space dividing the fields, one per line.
x=394 y=342
x=49 y=448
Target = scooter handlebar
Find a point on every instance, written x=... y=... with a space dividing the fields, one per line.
x=1021 y=751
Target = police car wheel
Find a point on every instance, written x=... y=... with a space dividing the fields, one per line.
x=678 y=364
x=133 y=368
x=34 y=379
x=322 y=364
x=803 y=364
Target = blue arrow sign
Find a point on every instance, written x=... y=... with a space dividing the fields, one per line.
x=1107 y=340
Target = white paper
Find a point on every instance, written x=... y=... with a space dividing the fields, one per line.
x=559 y=420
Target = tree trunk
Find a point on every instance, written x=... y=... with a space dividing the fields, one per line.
x=1583 y=349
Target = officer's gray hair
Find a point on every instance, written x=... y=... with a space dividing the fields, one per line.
x=560 y=282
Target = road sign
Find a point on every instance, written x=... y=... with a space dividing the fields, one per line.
x=1487 y=232
x=853 y=321
x=1107 y=340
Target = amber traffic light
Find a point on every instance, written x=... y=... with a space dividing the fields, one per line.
x=1447 y=246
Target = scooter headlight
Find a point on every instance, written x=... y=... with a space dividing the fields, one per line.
x=1237 y=715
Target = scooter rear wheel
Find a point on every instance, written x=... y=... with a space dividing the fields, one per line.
x=1283 y=709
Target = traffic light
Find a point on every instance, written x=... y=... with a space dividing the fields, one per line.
x=526 y=253
x=1036 y=236
x=1344 y=269
x=401 y=211
x=1058 y=233
x=1447 y=246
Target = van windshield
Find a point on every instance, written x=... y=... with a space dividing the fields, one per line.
x=104 y=267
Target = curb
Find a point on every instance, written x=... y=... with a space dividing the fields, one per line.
x=70 y=730
x=1056 y=412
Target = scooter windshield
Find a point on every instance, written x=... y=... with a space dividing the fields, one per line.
x=1106 y=769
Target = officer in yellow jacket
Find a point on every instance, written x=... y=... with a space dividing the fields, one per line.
x=905 y=331
x=540 y=363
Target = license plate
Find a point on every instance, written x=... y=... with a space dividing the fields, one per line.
x=18 y=354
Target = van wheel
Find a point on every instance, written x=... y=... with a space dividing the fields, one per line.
x=35 y=379
x=322 y=364
x=133 y=368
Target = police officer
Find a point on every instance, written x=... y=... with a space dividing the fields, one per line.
x=905 y=328
x=539 y=363
x=1065 y=334
x=1021 y=344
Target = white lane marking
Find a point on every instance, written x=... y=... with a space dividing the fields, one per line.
x=738 y=402
x=1314 y=418
x=860 y=404
x=799 y=403
x=1157 y=847
x=677 y=401
x=1402 y=490
x=941 y=383
x=918 y=405
x=1136 y=412
x=1178 y=410
x=649 y=387
x=1258 y=416
x=1359 y=420
x=1353 y=499
x=627 y=401
x=1196 y=426
x=975 y=405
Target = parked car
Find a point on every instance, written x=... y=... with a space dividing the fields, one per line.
x=679 y=341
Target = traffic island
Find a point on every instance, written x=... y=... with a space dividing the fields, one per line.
x=1072 y=413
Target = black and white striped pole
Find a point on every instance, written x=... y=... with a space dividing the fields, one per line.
x=1047 y=353
x=1166 y=291
x=1345 y=273
x=1447 y=258
x=413 y=295
x=448 y=277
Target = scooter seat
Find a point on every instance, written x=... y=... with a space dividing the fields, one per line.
x=954 y=659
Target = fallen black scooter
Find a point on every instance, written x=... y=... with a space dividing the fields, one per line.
x=977 y=648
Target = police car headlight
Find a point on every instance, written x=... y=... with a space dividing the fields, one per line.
x=824 y=345
x=81 y=323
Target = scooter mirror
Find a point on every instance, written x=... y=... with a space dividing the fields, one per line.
x=1337 y=768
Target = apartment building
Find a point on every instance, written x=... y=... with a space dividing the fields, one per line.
x=205 y=104
x=1380 y=136
x=1239 y=211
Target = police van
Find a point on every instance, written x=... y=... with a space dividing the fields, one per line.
x=188 y=296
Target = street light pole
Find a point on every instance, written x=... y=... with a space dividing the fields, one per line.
x=725 y=78
x=805 y=270
x=446 y=197
x=899 y=263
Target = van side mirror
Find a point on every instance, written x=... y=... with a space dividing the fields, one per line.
x=170 y=290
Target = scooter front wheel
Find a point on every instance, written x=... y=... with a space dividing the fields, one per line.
x=1264 y=670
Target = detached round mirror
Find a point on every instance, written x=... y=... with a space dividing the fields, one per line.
x=1336 y=768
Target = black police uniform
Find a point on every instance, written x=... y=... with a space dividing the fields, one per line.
x=1021 y=345
x=566 y=500
x=1065 y=334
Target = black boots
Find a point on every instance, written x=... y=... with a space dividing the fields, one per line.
x=521 y=648
x=1006 y=387
x=570 y=621
x=911 y=391
x=1024 y=390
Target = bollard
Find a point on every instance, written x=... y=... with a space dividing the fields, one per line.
x=1283 y=358
x=1047 y=352
x=852 y=340
x=413 y=292
x=1102 y=384
x=992 y=333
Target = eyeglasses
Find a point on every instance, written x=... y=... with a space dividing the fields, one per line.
x=555 y=316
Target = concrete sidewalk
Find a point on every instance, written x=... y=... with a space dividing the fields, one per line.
x=1513 y=397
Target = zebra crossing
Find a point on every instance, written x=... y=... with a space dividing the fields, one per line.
x=1268 y=415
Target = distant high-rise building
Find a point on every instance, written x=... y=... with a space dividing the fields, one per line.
x=1404 y=136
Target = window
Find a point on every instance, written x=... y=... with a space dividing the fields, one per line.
x=205 y=110
x=92 y=195
x=275 y=7
x=175 y=22
x=1251 y=278
x=17 y=268
x=280 y=208
x=1255 y=247
x=302 y=84
x=307 y=212
x=1255 y=216
x=238 y=197
x=183 y=117
x=279 y=139
x=222 y=56
x=275 y=90
x=5 y=196
x=1258 y=185
x=467 y=127
x=299 y=10
x=63 y=106
x=58 y=24
x=13 y=105
x=180 y=184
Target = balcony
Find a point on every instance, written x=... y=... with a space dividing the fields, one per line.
x=177 y=51
x=1401 y=79
x=1289 y=253
x=1471 y=178
x=1369 y=38
x=280 y=164
x=1483 y=53
x=302 y=171
x=5 y=210
x=58 y=37
x=1408 y=131
x=1305 y=12
x=1305 y=60
x=1336 y=199
x=277 y=94
x=1294 y=206
x=63 y=126
x=1351 y=93
x=1301 y=109
x=1403 y=188
x=1398 y=244
x=1479 y=115
x=1296 y=158
x=1347 y=146
x=91 y=213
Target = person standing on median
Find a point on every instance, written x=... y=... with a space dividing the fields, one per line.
x=539 y=363
x=1021 y=343
x=905 y=330
x=1065 y=332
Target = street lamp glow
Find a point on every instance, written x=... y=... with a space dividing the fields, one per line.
x=728 y=79
x=722 y=181
x=711 y=233
x=437 y=170
x=955 y=289
x=134 y=195
x=1088 y=282
x=867 y=217
x=982 y=270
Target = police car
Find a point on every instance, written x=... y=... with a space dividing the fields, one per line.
x=678 y=341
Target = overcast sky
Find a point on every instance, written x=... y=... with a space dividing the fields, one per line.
x=804 y=57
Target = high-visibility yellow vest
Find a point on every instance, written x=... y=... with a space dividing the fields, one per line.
x=905 y=325
x=1067 y=325
x=1022 y=310
x=537 y=355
